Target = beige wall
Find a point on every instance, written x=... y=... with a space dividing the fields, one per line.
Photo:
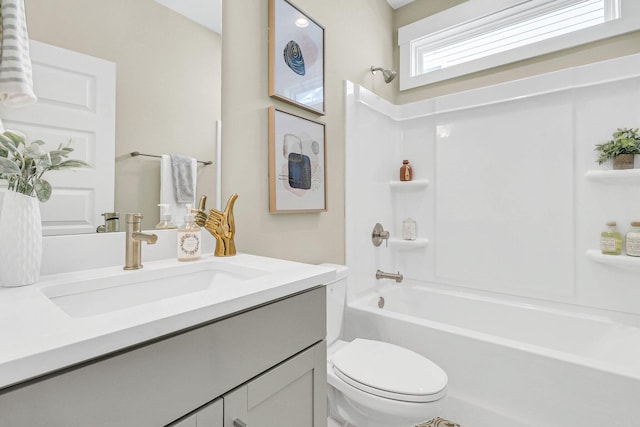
x=358 y=34
x=419 y=9
x=593 y=52
x=168 y=85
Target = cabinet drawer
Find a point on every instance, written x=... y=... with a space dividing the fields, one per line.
x=157 y=383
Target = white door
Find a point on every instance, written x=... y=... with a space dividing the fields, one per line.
x=76 y=101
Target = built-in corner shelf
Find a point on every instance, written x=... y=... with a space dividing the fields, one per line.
x=625 y=176
x=623 y=262
x=416 y=184
x=402 y=244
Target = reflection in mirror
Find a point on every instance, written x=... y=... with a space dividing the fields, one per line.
x=167 y=87
x=76 y=107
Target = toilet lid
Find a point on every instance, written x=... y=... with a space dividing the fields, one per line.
x=389 y=371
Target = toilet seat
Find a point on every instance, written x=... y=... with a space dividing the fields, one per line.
x=389 y=371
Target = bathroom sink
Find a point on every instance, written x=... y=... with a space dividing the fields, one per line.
x=101 y=295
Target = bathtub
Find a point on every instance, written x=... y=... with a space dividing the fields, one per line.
x=510 y=363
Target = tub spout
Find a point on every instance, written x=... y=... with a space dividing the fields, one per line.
x=382 y=275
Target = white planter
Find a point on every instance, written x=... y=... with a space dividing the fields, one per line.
x=21 y=237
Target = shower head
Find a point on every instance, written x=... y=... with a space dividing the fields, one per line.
x=388 y=75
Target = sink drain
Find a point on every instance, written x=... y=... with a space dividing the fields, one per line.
x=380 y=302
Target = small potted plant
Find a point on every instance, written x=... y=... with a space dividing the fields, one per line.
x=23 y=165
x=624 y=145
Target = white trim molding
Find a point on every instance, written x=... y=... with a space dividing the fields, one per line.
x=467 y=19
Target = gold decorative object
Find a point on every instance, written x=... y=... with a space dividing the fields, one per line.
x=221 y=225
x=199 y=214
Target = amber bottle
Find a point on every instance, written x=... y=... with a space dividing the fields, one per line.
x=406 y=173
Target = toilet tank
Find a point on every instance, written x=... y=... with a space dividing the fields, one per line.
x=336 y=299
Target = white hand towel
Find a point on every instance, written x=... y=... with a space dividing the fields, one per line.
x=16 y=81
x=168 y=192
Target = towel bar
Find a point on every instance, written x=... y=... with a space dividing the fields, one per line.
x=137 y=153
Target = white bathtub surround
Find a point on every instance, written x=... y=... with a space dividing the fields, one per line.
x=514 y=192
x=513 y=211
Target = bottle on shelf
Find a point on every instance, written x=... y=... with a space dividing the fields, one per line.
x=611 y=240
x=406 y=172
x=632 y=239
x=409 y=231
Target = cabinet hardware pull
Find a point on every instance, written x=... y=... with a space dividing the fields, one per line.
x=239 y=423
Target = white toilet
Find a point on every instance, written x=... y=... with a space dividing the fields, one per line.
x=373 y=383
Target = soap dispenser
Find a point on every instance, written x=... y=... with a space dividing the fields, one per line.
x=189 y=238
x=165 y=218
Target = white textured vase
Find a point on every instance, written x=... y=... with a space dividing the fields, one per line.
x=21 y=240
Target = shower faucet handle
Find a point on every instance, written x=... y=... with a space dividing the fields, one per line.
x=378 y=235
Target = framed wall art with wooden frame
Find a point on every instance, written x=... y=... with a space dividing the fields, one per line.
x=296 y=57
x=297 y=171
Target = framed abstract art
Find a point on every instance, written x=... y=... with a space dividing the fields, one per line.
x=297 y=172
x=296 y=57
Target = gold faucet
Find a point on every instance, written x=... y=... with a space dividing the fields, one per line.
x=220 y=224
x=134 y=237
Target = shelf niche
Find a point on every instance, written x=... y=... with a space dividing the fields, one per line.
x=621 y=176
x=402 y=244
x=623 y=262
x=416 y=184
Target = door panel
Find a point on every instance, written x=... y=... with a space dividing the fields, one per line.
x=76 y=102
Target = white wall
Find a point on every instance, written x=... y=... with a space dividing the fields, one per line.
x=508 y=208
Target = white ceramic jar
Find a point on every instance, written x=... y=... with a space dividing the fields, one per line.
x=633 y=240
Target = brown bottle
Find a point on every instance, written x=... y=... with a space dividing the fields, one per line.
x=406 y=173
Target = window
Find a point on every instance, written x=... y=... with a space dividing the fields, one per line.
x=471 y=37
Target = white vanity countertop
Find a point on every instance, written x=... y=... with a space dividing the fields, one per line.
x=38 y=337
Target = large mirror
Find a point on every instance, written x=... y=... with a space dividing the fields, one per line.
x=167 y=83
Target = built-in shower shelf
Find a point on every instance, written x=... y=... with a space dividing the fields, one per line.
x=416 y=184
x=402 y=244
x=625 y=176
x=623 y=262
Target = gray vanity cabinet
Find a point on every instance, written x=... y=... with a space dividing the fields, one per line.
x=275 y=352
x=289 y=395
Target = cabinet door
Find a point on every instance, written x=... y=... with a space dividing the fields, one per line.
x=209 y=416
x=292 y=394
x=186 y=422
